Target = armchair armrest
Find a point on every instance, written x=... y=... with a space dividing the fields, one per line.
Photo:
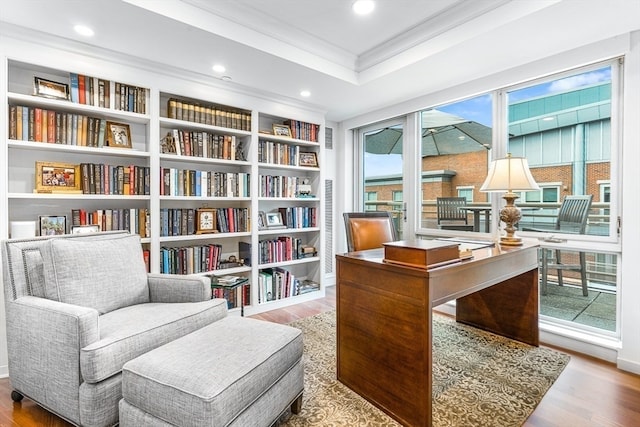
x=173 y=288
x=44 y=338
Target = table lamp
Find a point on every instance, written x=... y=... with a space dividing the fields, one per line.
x=509 y=174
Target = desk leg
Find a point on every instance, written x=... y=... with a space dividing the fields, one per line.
x=509 y=308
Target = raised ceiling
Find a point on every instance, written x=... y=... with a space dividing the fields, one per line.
x=351 y=64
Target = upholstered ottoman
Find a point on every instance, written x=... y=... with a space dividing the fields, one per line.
x=233 y=372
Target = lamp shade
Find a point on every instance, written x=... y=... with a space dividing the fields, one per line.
x=509 y=174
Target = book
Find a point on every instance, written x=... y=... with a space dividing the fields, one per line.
x=422 y=254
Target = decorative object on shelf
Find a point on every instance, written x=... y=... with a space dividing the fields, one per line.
x=509 y=174
x=23 y=229
x=240 y=155
x=308 y=251
x=231 y=262
x=304 y=189
x=50 y=89
x=52 y=225
x=262 y=220
x=274 y=220
x=168 y=144
x=84 y=229
x=281 y=130
x=118 y=135
x=308 y=158
x=206 y=221
x=57 y=178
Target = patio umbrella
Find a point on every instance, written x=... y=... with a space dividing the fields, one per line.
x=442 y=133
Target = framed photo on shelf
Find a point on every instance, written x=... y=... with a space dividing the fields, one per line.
x=308 y=158
x=52 y=225
x=118 y=135
x=84 y=229
x=57 y=178
x=262 y=220
x=274 y=220
x=50 y=89
x=281 y=130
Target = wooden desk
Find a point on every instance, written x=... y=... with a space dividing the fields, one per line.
x=384 y=330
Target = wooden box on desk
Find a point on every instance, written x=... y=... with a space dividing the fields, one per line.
x=421 y=253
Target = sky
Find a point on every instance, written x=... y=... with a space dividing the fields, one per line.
x=479 y=108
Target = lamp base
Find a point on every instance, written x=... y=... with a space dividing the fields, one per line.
x=510 y=215
x=510 y=241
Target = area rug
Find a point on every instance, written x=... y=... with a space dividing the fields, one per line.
x=480 y=379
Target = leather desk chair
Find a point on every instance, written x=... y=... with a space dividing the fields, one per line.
x=368 y=230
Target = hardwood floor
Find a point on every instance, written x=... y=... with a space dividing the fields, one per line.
x=588 y=393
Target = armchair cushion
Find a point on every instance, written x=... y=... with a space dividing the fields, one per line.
x=131 y=331
x=101 y=274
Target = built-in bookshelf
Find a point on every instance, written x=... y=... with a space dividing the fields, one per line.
x=109 y=153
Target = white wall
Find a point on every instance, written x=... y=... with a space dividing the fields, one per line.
x=626 y=350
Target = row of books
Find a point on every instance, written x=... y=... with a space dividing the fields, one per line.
x=233 y=296
x=278 y=153
x=188 y=182
x=282 y=248
x=90 y=90
x=101 y=178
x=276 y=283
x=299 y=216
x=209 y=114
x=281 y=185
x=181 y=221
x=190 y=259
x=303 y=130
x=207 y=145
x=131 y=219
x=54 y=127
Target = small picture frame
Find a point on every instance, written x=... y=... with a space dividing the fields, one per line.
x=274 y=220
x=85 y=229
x=281 y=130
x=262 y=220
x=50 y=89
x=118 y=135
x=52 y=225
x=308 y=158
x=58 y=178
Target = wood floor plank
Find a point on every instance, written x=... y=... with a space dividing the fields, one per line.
x=588 y=393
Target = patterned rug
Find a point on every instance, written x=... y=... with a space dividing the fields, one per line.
x=499 y=382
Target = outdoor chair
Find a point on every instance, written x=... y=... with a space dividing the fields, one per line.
x=572 y=219
x=451 y=214
x=369 y=230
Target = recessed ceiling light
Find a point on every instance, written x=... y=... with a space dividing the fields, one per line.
x=305 y=93
x=363 y=7
x=219 y=68
x=226 y=78
x=548 y=119
x=83 y=30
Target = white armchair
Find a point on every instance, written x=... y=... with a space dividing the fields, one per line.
x=79 y=307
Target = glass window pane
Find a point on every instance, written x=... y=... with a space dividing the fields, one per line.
x=455 y=150
x=563 y=127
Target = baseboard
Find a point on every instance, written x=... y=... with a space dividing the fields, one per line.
x=628 y=365
x=4 y=371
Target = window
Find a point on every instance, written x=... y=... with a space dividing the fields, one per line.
x=397 y=196
x=563 y=127
x=467 y=193
x=455 y=149
x=370 y=196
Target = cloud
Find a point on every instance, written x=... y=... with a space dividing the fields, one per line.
x=586 y=79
